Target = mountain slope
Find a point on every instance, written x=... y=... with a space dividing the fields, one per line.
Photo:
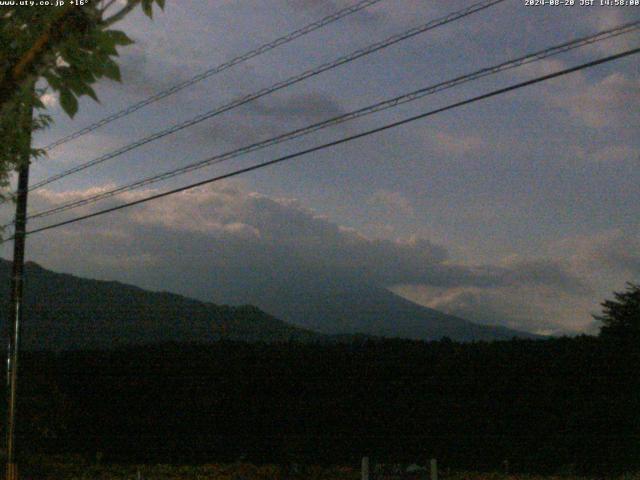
x=374 y=311
x=63 y=311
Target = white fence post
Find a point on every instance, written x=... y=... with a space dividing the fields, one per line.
x=434 y=469
x=365 y=468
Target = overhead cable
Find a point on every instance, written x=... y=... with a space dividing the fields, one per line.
x=215 y=70
x=278 y=86
x=376 y=107
x=340 y=141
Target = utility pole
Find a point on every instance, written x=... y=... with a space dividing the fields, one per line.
x=17 y=282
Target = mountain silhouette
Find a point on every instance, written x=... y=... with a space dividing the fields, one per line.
x=332 y=308
x=64 y=311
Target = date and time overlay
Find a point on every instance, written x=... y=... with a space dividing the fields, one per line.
x=581 y=3
x=526 y=3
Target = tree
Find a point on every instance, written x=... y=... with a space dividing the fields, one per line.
x=621 y=317
x=70 y=47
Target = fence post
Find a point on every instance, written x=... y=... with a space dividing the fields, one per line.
x=365 y=468
x=434 y=469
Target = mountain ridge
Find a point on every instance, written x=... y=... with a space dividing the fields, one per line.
x=368 y=309
x=64 y=311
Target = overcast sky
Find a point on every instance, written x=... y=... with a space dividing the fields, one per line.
x=522 y=210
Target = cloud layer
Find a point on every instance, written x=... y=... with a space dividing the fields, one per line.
x=224 y=243
x=520 y=210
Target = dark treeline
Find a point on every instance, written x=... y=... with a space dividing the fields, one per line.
x=544 y=405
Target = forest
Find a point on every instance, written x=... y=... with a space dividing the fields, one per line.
x=545 y=406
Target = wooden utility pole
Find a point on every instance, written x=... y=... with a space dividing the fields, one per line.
x=17 y=282
x=365 y=468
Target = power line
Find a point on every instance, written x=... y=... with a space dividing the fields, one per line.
x=217 y=69
x=340 y=141
x=278 y=86
x=377 y=107
x=606 y=34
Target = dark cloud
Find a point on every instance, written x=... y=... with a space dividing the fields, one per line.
x=262 y=120
x=544 y=272
x=311 y=106
x=227 y=243
x=615 y=250
x=621 y=254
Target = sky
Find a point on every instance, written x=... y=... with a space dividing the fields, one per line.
x=522 y=210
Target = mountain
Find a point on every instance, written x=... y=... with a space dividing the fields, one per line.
x=359 y=308
x=63 y=311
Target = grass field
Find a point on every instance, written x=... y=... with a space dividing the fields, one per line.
x=79 y=470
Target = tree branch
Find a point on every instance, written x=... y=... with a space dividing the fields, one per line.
x=19 y=72
x=38 y=46
x=121 y=14
x=107 y=6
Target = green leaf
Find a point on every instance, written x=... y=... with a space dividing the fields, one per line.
x=77 y=85
x=53 y=80
x=86 y=75
x=112 y=71
x=107 y=44
x=88 y=90
x=160 y=3
x=118 y=37
x=71 y=79
x=71 y=52
x=68 y=102
x=147 y=8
